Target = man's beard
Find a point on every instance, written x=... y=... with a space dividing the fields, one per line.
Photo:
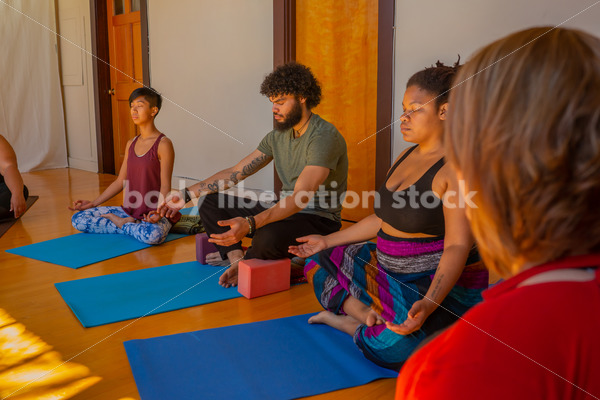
x=291 y=119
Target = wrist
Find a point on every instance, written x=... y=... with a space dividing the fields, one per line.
x=429 y=306
x=251 y=225
x=261 y=219
x=185 y=195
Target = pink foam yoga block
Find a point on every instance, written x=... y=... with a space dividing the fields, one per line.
x=203 y=247
x=261 y=277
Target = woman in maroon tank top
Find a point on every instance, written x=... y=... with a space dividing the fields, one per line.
x=145 y=176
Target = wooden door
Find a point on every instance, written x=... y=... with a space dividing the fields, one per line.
x=125 y=52
x=338 y=40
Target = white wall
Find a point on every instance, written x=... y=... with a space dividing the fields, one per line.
x=77 y=80
x=208 y=59
x=429 y=30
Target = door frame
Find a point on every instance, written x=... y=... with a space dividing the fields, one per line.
x=284 y=50
x=101 y=68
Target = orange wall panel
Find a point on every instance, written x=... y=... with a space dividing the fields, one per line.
x=338 y=41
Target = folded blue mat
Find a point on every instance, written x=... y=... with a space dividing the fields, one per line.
x=118 y=297
x=81 y=249
x=278 y=359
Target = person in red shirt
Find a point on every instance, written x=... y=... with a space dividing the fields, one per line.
x=524 y=133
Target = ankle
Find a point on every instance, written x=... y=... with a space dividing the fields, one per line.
x=235 y=256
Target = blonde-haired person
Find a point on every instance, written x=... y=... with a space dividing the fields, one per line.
x=524 y=132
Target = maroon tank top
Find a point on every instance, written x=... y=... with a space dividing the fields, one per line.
x=142 y=187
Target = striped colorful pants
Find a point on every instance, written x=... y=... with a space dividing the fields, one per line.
x=389 y=277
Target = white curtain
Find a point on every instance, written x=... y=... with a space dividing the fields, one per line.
x=31 y=108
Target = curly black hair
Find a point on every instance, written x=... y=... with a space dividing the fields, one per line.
x=437 y=80
x=293 y=79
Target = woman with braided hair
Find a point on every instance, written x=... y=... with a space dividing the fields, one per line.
x=424 y=271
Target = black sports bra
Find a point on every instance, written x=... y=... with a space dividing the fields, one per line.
x=415 y=209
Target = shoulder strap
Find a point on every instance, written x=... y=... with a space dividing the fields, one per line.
x=425 y=182
x=154 y=148
x=391 y=171
x=158 y=139
x=132 y=145
x=435 y=168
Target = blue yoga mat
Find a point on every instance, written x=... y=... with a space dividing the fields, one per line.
x=79 y=250
x=278 y=359
x=118 y=297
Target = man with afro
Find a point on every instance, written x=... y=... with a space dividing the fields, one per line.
x=311 y=160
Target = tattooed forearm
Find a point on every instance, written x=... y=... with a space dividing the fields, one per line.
x=218 y=184
x=229 y=177
x=436 y=289
x=197 y=189
x=234 y=177
x=255 y=165
x=213 y=187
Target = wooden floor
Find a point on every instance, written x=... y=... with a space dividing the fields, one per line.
x=27 y=293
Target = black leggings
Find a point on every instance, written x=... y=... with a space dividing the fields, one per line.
x=270 y=242
x=5 y=196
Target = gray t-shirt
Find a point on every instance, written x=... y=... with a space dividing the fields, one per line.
x=321 y=145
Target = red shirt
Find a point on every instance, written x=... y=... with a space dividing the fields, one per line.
x=532 y=342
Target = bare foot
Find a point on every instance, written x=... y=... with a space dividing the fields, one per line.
x=374 y=319
x=322 y=318
x=216 y=260
x=229 y=277
x=344 y=323
x=118 y=221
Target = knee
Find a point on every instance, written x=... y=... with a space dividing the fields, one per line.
x=77 y=220
x=153 y=241
x=82 y=220
x=5 y=213
x=208 y=203
x=384 y=347
x=267 y=235
x=270 y=244
x=5 y=196
x=156 y=234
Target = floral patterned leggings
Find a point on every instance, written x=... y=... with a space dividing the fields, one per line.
x=91 y=221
